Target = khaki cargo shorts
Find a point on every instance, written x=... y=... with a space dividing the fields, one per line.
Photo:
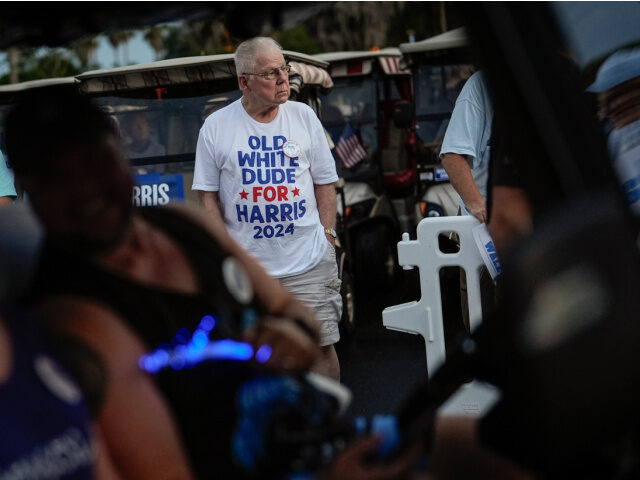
x=319 y=289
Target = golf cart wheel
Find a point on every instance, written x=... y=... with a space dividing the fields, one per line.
x=375 y=258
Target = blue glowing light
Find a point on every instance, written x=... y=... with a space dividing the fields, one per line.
x=385 y=426
x=208 y=323
x=200 y=339
x=264 y=353
x=228 y=350
x=189 y=350
x=182 y=336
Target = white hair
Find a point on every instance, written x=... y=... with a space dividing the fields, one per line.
x=247 y=52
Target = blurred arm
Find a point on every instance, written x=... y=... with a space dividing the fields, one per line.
x=277 y=330
x=511 y=216
x=135 y=425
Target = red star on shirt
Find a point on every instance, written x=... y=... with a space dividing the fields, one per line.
x=244 y=195
x=296 y=192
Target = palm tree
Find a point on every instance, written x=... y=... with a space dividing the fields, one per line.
x=127 y=35
x=155 y=37
x=207 y=35
x=13 y=55
x=443 y=17
x=84 y=50
x=117 y=40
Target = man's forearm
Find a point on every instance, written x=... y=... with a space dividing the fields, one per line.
x=462 y=181
x=209 y=201
x=327 y=204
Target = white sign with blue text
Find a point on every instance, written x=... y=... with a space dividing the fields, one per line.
x=487 y=249
x=156 y=189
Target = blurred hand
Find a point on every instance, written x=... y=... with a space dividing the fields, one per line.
x=292 y=349
x=355 y=462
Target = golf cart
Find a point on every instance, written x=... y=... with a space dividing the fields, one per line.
x=367 y=85
x=440 y=65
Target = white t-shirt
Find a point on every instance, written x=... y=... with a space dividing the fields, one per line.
x=469 y=131
x=267 y=195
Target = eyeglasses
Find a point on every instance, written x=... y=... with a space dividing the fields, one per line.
x=271 y=74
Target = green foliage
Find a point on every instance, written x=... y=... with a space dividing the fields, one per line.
x=178 y=42
x=423 y=19
x=298 y=40
x=56 y=63
x=83 y=50
x=191 y=40
x=204 y=39
x=155 y=36
x=118 y=40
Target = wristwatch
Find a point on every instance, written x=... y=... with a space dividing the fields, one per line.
x=331 y=231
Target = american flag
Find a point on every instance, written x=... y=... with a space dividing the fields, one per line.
x=349 y=149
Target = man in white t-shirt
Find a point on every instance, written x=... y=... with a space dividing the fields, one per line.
x=264 y=165
x=465 y=149
x=465 y=155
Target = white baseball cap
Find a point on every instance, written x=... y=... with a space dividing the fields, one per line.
x=618 y=68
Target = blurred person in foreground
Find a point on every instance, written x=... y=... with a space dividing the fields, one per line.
x=47 y=430
x=123 y=280
x=264 y=167
x=617 y=86
x=126 y=280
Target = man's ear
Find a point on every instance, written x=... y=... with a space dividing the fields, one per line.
x=242 y=80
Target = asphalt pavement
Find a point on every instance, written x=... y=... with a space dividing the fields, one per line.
x=380 y=366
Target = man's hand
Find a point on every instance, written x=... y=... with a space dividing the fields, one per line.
x=292 y=348
x=330 y=239
x=478 y=209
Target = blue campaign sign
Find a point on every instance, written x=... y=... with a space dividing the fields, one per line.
x=157 y=189
x=441 y=174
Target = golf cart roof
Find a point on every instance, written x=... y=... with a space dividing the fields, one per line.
x=47 y=82
x=8 y=92
x=452 y=39
x=345 y=64
x=332 y=57
x=186 y=70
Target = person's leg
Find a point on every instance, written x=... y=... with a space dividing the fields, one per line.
x=319 y=289
x=327 y=364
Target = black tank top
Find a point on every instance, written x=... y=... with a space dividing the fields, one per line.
x=202 y=398
x=155 y=313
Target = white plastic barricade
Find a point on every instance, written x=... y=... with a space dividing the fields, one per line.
x=424 y=317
